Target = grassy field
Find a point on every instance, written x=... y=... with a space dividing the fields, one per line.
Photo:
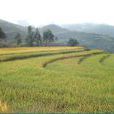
x=56 y=79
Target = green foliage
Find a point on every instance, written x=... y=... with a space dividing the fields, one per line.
x=30 y=36
x=18 y=39
x=3 y=41
x=73 y=42
x=48 y=36
x=2 y=34
x=37 y=37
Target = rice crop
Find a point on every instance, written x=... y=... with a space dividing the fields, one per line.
x=54 y=80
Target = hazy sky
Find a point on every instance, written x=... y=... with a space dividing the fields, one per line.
x=41 y=12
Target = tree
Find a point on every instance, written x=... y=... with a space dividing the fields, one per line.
x=37 y=38
x=48 y=36
x=56 y=38
x=73 y=42
x=18 y=39
x=3 y=42
x=30 y=36
x=2 y=34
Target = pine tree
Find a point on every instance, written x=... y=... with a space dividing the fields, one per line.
x=48 y=37
x=30 y=36
x=37 y=38
x=18 y=39
x=2 y=34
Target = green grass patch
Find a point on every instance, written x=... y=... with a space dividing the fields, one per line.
x=63 y=85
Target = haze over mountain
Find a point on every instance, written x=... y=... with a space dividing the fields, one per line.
x=91 y=40
x=92 y=36
x=92 y=28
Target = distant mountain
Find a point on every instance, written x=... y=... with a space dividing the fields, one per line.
x=92 y=28
x=84 y=34
x=12 y=29
x=91 y=40
x=54 y=28
x=58 y=31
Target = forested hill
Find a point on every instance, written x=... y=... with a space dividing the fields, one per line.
x=91 y=40
x=87 y=38
x=12 y=29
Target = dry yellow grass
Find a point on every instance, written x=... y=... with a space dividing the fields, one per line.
x=34 y=49
x=4 y=107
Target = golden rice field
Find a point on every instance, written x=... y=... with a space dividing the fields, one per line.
x=56 y=79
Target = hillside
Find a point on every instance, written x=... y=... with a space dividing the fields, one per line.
x=92 y=28
x=55 y=28
x=90 y=39
x=12 y=29
x=56 y=79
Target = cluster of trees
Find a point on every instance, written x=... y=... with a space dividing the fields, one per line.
x=34 y=38
x=72 y=42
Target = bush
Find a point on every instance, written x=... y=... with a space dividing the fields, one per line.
x=73 y=42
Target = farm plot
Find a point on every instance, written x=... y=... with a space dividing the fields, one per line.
x=64 y=80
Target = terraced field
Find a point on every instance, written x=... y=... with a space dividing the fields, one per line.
x=61 y=79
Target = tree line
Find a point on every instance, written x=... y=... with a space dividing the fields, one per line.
x=34 y=38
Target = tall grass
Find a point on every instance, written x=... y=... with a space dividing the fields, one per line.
x=62 y=86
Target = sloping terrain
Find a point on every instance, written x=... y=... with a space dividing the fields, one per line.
x=12 y=29
x=68 y=79
x=91 y=40
x=92 y=28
